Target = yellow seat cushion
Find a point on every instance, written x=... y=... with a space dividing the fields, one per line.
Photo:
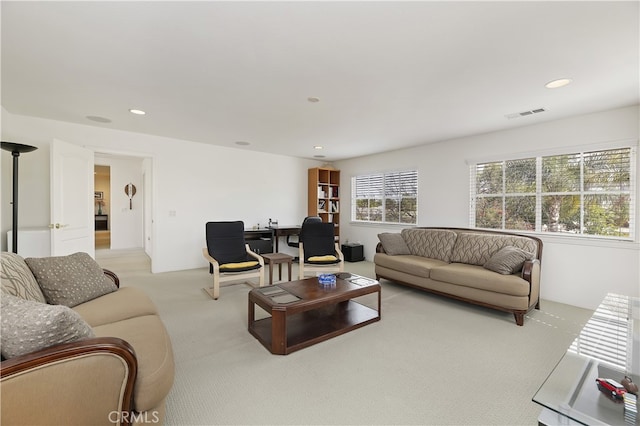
x=239 y=265
x=325 y=258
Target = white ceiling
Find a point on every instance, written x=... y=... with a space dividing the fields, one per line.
x=388 y=74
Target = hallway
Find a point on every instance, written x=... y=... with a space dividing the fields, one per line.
x=103 y=239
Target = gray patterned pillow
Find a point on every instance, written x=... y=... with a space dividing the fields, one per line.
x=508 y=260
x=431 y=243
x=17 y=279
x=70 y=280
x=27 y=326
x=477 y=248
x=393 y=243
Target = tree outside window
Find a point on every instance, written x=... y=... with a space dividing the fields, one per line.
x=385 y=197
x=585 y=193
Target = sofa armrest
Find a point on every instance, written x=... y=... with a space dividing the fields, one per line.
x=112 y=276
x=531 y=273
x=90 y=381
x=379 y=248
x=528 y=269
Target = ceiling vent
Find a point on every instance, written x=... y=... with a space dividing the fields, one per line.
x=525 y=113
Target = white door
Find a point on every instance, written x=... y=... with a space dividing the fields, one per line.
x=72 y=199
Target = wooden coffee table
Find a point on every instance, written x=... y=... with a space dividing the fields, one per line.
x=304 y=313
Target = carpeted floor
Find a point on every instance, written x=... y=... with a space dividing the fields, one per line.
x=430 y=360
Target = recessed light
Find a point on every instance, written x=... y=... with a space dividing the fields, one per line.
x=98 y=119
x=318 y=147
x=313 y=99
x=558 y=83
x=242 y=143
x=137 y=111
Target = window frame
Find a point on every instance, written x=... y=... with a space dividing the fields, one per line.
x=383 y=196
x=539 y=194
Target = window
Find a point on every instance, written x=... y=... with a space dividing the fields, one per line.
x=385 y=197
x=584 y=193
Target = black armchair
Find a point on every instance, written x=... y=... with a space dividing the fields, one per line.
x=229 y=257
x=296 y=244
x=319 y=251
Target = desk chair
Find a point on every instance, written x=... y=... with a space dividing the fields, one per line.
x=318 y=249
x=229 y=256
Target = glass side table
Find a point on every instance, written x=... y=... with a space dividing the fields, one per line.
x=607 y=347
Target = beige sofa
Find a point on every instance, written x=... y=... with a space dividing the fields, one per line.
x=499 y=270
x=111 y=361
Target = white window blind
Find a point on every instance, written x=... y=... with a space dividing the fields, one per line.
x=385 y=197
x=606 y=337
x=588 y=193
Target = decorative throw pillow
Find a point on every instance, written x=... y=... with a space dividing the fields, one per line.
x=17 y=279
x=27 y=326
x=70 y=280
x=508 y=260
x=393 y=243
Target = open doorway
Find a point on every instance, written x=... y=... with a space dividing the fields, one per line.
x=127 y=191
x=102 y=194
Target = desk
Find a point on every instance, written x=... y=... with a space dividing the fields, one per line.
x=259 y=240
x=283 y=231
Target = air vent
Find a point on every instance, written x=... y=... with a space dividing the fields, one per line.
x=98 y=119
x=525 y=113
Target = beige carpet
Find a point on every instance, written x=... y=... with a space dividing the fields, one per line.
x=429 y=360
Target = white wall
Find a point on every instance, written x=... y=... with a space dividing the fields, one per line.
x=575 y=273
x=192 y=183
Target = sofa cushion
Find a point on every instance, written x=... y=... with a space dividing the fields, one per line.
x=477 y=277
x=508 y=260
x=431 y=243
x=150 y=341
x=70 y=280
x=477 y=248
x=17 y=279
x=27 y=326
x=127 y=302
x=393 y=243
x=410 y=264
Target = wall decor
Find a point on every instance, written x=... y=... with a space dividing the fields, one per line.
x=130 y=190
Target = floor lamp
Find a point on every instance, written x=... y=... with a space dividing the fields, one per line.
x=16 y=149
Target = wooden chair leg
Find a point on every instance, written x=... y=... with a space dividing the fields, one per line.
x=214 y=291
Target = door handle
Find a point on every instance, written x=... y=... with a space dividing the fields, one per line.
x=57 y=226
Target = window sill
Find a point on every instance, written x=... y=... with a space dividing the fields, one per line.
x=582 y=240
